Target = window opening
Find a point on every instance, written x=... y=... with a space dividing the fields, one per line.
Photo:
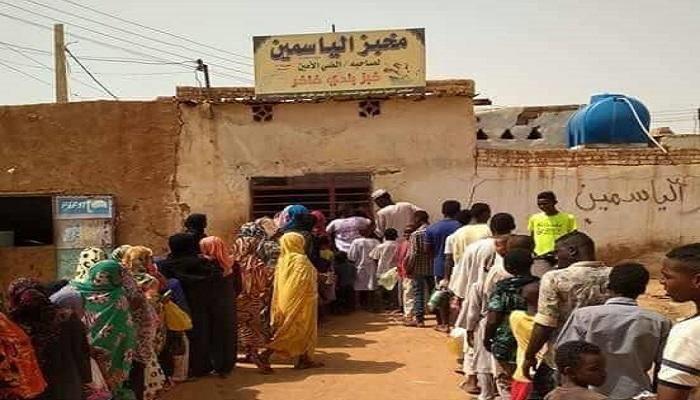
x=325 y=192
x=26 y=221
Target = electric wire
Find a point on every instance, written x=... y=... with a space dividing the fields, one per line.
x=90 y=74
x=162 y=32
x=124 y=49
x=131 y=42
x=137 y=34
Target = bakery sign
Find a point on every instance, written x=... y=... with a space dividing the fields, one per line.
x=339 y=62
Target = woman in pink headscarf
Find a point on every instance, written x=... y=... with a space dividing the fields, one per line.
x=224 y=341
x=319 y=229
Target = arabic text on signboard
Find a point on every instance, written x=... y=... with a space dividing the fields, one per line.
x=82 y=207
x=343 y=61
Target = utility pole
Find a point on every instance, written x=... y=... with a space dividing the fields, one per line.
x=61 y=79
x=202 y=67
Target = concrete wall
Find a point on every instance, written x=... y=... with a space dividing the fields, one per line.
x=550 y=120
x=422 y=151
x=162 y=160
x=631 y=202
x=126 y=149
x=37 y=262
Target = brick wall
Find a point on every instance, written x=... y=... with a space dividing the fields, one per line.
x=584 y=157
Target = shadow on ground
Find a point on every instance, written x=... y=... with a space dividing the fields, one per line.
x=336 y=333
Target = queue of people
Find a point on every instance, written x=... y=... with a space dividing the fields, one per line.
x=543 y=318
x=539 y=316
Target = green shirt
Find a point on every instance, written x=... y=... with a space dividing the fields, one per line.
x=546 y=229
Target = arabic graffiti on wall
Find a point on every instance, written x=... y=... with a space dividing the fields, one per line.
x=342 y=61
x=659 y=193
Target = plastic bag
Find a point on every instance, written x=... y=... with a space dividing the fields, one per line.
x=438 y=298
x=176 y=319
x=455 y=341
x=389 y=279
x=181 y=362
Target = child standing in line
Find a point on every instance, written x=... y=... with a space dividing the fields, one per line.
x=366 y=267
x=521 y=324
x=581 y=365
x=345 y=291
x=385 y=256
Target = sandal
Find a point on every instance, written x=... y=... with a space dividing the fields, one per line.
x=264 y=367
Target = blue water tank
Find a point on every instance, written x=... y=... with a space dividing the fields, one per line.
x=608 y=120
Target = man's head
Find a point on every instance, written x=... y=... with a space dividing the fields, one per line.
x=547 y=202
x=421 y=218
x=574 y=247
x=521 y=242
x=382 y=198
x=680 y=274
x=481 y=212
x=196 y=222
x=306 y=222
x=345 y=210
x=367 y=231
x=501 y=243
x=502 y=224
x=391 y=234
x=518 y=262
x=451 y=208
x=464 y=217
x=410 y=228
x=582 y=362
x=628 y=280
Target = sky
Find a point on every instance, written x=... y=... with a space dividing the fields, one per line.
x=519 y=52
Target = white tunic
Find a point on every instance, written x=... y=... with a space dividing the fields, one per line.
x=359 y=253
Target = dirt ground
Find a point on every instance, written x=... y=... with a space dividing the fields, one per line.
x=368 y=356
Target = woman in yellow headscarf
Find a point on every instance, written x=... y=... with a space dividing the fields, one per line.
x=294 y=304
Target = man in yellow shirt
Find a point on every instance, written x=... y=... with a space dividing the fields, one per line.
x=545 y=228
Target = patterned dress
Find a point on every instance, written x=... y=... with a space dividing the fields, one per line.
x=111 y=329
x=20 y=375
x=256 y=291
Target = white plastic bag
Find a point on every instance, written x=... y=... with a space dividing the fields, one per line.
x=455 y=342
x=388 y=279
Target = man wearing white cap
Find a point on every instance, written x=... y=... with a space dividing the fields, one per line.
x=392 y=215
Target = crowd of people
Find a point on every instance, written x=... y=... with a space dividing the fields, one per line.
x=537 y=315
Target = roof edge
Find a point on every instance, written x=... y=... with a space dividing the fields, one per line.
x=246 y=95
